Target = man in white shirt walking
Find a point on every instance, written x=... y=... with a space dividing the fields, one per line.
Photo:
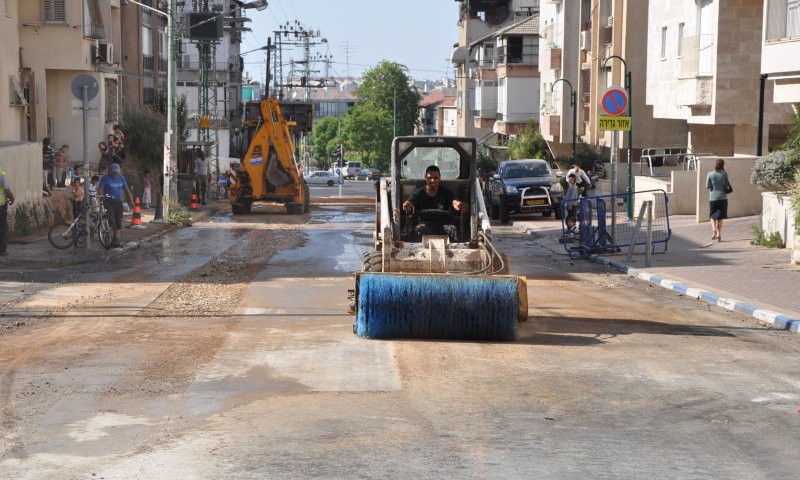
x=202 y=170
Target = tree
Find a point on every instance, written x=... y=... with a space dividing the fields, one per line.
x=369 y=130
x=529 y=144
x=388 y=85
x=326 y=137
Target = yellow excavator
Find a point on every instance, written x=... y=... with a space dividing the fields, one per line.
x=269 y=172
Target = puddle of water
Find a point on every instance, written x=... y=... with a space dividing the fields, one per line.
x=102 y=425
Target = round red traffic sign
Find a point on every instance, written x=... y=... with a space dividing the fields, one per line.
x=615 y=101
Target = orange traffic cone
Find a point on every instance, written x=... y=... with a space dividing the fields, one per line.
x=194 y=205
x=137 y=212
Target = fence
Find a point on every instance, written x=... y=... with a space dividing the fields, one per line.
x=601 y=224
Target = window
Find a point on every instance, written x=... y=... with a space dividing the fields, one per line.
x=93 y=20
x=783 y=19
x=609 y=13
x=55 y=11
x=663 y=43
x=147 y=40
x=680 y=37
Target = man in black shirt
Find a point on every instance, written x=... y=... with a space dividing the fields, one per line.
x=434 y=197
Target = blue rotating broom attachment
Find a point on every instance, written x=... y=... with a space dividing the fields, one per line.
x=445 y=307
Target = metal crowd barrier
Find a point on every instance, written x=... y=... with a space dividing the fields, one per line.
x=602 y=223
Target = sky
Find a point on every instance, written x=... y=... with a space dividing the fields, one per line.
x=416 y=33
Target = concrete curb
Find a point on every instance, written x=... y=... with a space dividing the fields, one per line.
x=779 y=320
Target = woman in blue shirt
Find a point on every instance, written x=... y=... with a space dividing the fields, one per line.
x=717 y=182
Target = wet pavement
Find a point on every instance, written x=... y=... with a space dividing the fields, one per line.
x=732 y=273
x=37 y=252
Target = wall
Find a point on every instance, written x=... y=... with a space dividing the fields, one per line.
x=11 y=117
x=745 y=199
x=778 y=216
x=23 y=162
x=684 y=193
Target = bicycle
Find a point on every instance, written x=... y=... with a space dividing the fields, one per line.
x=63 y=235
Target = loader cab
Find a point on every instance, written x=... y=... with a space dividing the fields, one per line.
x=455 y=157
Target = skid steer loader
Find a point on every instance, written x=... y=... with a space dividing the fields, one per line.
x=437 y=286
x=269 y=172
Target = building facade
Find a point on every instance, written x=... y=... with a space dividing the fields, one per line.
x=704 y=67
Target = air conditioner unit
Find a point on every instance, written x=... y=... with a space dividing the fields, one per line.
x=585 y=40
x=106 y=52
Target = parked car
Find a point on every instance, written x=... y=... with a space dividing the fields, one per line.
x=523 y=186
x=321 y=178
x=369 y=174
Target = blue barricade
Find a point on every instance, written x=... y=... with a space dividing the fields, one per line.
x=601 y=223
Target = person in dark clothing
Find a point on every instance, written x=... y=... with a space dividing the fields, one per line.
x=434 y=197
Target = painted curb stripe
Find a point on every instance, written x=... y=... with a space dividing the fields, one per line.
x=768 y=316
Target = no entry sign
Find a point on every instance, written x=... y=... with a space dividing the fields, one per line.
x=615 y=101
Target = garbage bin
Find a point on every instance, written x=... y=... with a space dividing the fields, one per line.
x=185 y=188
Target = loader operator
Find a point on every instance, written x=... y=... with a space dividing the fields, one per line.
x=434 y=197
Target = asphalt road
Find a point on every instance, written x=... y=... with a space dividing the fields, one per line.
x=609 y=378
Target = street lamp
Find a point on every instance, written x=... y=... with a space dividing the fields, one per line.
x=630 y=131
x=574 y=104
x=169 y=188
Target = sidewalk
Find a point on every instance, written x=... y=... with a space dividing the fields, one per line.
x=36 y=251
x=732 y=274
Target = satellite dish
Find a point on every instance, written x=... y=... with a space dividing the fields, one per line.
x=81 y=81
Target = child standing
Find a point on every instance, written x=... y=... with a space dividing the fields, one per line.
x=78 y=197
x=147 y=183
x=92 y=189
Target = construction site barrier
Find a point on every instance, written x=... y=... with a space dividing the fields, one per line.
x=602 y=223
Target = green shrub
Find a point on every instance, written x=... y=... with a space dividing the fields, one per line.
x=776 y=171
x=178 y=215
x=794 y=200
x=773 y=240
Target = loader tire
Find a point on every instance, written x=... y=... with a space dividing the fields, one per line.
x=293 y=208
x=371 y=262
x=241 y=208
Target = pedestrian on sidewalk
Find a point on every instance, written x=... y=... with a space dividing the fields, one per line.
x=147 y=185
x=115 y=185
x=6 y=200
x=719 y=185
x=202 y=169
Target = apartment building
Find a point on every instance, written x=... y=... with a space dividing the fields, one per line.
x=46 y=45
x=478 y=21
x=430 y=122
x=558 y=67
x=780 y=54
x=145 y=51
x=506 y=77
x=704 y=68
x=613 y=45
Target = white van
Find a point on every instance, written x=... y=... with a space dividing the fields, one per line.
x=351 y=170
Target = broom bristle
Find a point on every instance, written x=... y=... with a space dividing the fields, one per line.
x=437 y=307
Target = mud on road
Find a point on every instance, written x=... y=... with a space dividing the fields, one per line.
x=78 y=346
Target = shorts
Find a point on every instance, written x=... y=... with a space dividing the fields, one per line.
x=718 y=209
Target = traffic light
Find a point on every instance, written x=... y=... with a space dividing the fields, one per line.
x=338 y=158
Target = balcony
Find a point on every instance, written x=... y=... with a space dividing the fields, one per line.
x=518 y=55
x=697 y=56
x=551 y=126
x=555 y=58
